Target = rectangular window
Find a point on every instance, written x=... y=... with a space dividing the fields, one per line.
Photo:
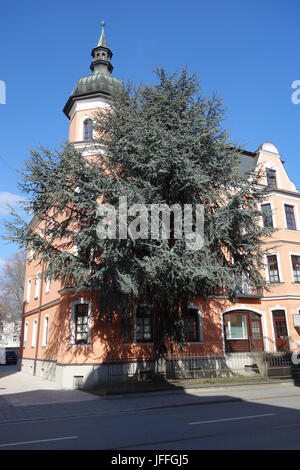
x=48 y=283
x=290 y=217
x=296 y=268
x=34 y=332
x=45 y=332
x=273 y=268
x=267 y=215
x=25 y=334
x=37 y=285
x=192 y=332
x=28 y=291
x=144 y=324
x=271 y=178
x=81 y=323
x=236 y=326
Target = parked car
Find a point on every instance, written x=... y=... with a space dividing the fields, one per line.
x=11 y=357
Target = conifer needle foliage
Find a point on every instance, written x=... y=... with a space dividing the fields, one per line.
x=159 y=144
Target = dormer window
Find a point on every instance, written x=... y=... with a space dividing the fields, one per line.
x=88 y=130
x=271 y=178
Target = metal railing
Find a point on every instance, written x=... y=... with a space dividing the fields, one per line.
x=185 y=366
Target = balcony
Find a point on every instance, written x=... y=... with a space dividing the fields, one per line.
x=248 y=291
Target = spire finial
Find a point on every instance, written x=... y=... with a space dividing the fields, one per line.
x=101 y=55
x=102 y=40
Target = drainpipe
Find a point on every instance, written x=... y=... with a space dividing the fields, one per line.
x=39 y=320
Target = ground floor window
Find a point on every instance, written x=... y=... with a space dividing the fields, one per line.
x=144 y=324
x=192 y=326
x=81 y=323
x=236 y=326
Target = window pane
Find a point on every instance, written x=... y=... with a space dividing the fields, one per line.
x=88 y=129
x=267 y=215
x=236 y=326
x=271 y=178
x=191 y=326
x=290 y=217
x=81 y=326
x=296 y=268
x=144 y=324
x=273 y=269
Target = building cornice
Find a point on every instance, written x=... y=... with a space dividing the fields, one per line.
x=42 y=307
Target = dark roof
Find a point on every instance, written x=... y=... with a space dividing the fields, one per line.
x=248 y=161
x=99 y=84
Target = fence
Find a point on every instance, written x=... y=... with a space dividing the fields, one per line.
x=185 y=366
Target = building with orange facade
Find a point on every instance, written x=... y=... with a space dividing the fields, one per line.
x=60 y=338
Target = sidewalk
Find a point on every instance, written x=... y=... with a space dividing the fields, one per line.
x=27 y=398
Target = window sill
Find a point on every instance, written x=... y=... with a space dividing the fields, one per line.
x=142 y=344
x=195 y=342
x=237 y=339
x=279 y=283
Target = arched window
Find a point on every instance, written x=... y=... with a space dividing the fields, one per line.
x=88 y=129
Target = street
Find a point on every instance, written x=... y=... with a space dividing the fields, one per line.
x=236 y=417
x=233 y=426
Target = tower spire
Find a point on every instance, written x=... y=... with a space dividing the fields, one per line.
x=102 y=40
x=101 y=55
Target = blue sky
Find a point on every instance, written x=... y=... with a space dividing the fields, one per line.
x=246 y=51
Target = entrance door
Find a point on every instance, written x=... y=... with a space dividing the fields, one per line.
x=256 y=336
x=280 y=330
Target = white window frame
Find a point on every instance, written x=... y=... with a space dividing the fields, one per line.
x=37 y=285
x=134 y=317
x=261 y=222
x=229 y=329
x=86 y=118
x=292 y=271
x=270 y=166
x=73 y=322
x=200 y=324
x=48 y=285
x=45 y=331
x=295 y=207
x=267 y=268
x=34 y=333
x=25 y=334
x=28 y=290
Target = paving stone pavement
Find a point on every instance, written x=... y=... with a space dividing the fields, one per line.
x=24 y=398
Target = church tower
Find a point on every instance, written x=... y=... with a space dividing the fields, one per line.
x=91 y=93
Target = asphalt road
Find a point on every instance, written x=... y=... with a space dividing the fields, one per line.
x=270 y=423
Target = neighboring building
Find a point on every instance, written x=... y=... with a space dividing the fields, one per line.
x=59 y=338
x=10 y=334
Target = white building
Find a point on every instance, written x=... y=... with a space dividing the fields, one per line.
x=10 y=334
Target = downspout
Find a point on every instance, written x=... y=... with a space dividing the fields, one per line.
x=39 y=320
